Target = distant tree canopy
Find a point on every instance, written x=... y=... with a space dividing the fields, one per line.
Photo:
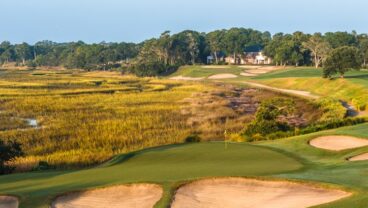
x=169 y=51
x=341 y=60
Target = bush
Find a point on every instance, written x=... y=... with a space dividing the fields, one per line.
x=266 y=121
x=332 y=110
x=235 y=137
x=360 y=103
x=42 y=165
x=151 y=68
x=193 y=138
x=8 y=151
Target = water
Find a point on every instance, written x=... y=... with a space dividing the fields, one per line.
x=32 y=122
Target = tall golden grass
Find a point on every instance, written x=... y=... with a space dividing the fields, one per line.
x=86 y=118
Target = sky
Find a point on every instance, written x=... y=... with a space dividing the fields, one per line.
x=93 y=21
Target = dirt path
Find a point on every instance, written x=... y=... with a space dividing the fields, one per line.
x=250 y=193
x=292 y=92
x=132 y=196
x=338 y=143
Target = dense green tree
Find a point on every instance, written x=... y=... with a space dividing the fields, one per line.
x=339 y=39
x=341 y=60
x=318 y=47
x=215 y=41
x=363 y=47
x=24 y=52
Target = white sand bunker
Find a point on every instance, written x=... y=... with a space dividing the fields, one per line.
x=139 y=195
x=8 y=202
x=250 y=193
x=338 y=143
x=361 y=157
x=245 y=74
x=223 y=76
x=187 y=78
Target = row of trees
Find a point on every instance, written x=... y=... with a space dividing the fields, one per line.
x=163 y=54
x=70 y=55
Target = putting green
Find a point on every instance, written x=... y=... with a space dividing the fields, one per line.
x=167 y=164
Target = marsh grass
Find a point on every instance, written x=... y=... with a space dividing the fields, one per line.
x=86 y=118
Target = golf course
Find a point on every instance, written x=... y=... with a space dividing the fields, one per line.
x=329 y=166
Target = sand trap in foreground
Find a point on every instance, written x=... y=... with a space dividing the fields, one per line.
x=8 y=202
x=222 y=76
x=359 y=157
x=139 y=195
x=187 y=78
x=338 y=143
x=250 y=193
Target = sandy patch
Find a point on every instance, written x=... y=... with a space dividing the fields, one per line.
x=223 y=76
x=139 y=195
x=8 y=202
x=250 y=193
x=245 y=74
x=215 y=67
x=338 y=143
x=187 y=78
x=250 y=67
x=359 y=157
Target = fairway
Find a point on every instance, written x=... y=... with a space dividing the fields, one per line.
x=167 y=164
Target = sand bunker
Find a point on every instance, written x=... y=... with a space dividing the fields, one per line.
x=338 y=143
x=245 y=74
x=223 y=76
x=215 y=67
x=250 y=193
x=250 y=67
x=139 y=195
x=8 y=202
x=187 y=78
x=361 y=157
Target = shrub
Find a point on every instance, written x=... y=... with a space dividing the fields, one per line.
x=8 y=151
x=42 y=165
x=332 y=110
x=266 y=121
x=193 y=138
x=151 y=68
x=360 y=103
x=233 y=137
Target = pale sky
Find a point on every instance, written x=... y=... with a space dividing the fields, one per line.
x=137 y=20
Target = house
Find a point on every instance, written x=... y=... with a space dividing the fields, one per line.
x=210 y=59
x=249 y=57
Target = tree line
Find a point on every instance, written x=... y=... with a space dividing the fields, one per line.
x=169 y=51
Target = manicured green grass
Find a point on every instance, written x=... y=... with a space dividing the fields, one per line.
x=329 y=166
x=164 y=165
x=201 y=71
x=357 y=77
x=290 y=158
x=353 y=88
